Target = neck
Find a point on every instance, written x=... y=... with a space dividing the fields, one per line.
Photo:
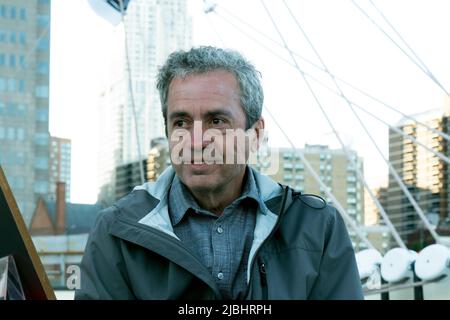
x=218 y=199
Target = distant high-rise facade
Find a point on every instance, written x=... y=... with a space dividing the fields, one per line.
x=333 y=168
x=154 y=29
x=425 y=175
x=60 y=161
x=372 y=215
x=128 y=175
x=24 y=99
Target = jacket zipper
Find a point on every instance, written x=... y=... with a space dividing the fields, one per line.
x=262 y=272
x=286 y=190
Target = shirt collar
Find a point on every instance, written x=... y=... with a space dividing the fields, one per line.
x=181 y=200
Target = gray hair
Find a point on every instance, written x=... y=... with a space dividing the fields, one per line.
x=204 y=59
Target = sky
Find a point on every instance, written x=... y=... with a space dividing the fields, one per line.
x=82 y=44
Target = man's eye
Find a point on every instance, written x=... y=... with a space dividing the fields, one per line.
x=217 y=121
x=179 y=123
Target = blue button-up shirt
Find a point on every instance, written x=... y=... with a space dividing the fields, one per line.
x=222 y=242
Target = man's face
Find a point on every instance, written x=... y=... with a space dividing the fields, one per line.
x=199 y=104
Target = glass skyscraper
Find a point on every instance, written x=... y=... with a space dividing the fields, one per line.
x=154 y=29
x=24 y=99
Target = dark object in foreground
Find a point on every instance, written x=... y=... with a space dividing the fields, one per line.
x=16 y=242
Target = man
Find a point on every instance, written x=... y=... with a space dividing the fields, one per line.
x=216 y=229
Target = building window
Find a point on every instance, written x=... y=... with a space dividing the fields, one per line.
x=11 y=134
x=41 y=139
x=22 y=61
x=43 y=20
x=287 y=165
x=21 y=108
x=12 y=60
x=2 y=84
x=41 y=163
x=42 y=68
x=43 y=44
x=21 y=134
x=287 y=155
x=42 y=91
x=3 y=11
x=12 y=85
x=21 y=85
x=12 y=12
x=11 y=109
x=2 y=59
x=23 y=14
x=42 y=115
x=12 y=37
x=2 y=133
x=22 y=37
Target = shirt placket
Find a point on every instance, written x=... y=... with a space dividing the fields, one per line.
x=221 y=255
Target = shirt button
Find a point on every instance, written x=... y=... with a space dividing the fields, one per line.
x=219 y=230
x=220 y=275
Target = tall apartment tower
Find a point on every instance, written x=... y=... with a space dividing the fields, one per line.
x=24 y=99
x=60 y=161
x=425 y=175
x=334 y=169
x=154 y=29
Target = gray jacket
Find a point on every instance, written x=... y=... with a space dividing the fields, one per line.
x=301 y=250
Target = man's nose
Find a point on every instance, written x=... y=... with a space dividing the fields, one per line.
x=197 y=141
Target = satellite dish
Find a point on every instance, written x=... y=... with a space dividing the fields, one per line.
x=368 y=262
x=397 y=264
x=433 y=262
x=109 y=9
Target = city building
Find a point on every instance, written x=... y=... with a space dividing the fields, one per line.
x=24 y=99
x=128 y=175
x=379 y=235
x=158 y=158
x=371 y=213
x=60 y=231
x=154 y=29
x=425 y=175
x=60 y=161
x=333 y=168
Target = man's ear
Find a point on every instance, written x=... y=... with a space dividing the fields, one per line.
x=260 y=129
x=256 y=134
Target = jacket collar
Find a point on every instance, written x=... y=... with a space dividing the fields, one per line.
x=159 y=216
x=181 y=200
x=267 y=188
